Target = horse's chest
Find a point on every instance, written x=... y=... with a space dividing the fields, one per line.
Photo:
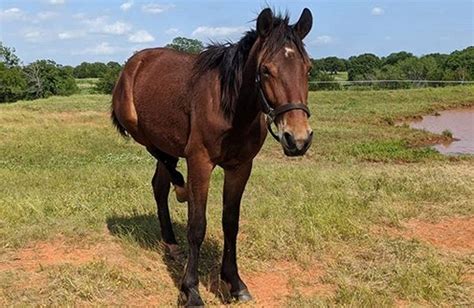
x=238 y=148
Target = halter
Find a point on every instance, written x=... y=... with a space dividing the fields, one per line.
x=272 y=113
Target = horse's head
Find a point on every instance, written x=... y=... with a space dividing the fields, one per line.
x=282 y=76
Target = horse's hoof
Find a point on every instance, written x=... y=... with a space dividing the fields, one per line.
x=242 y=296
x=192 y=299
x=181 y=193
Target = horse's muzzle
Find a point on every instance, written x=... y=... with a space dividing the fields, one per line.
x=295 y=147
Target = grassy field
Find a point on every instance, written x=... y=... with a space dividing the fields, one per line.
x=370 y=217
x=341 y=76
x=86 y=85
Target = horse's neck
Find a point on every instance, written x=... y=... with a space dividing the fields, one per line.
x=248 y=110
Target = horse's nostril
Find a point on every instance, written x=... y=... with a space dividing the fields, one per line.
x=289 y=140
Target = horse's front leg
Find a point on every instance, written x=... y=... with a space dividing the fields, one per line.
x=199 y=173
x=234 y=185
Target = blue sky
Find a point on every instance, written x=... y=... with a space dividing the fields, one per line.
x=72 y=31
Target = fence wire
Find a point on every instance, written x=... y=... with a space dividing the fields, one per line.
x=349 y=82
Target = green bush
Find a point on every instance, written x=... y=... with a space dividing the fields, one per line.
x=12 y=83
x=322 y=76
x=106 y=82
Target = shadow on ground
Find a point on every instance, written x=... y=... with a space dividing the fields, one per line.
x=145 y=231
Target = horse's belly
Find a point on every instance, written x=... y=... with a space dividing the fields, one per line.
x=164 y=125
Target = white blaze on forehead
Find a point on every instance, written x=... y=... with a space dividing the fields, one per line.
x=288 y=50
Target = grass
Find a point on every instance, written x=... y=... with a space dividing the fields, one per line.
x=66 y=172
x=86 y=85
x=341 y=76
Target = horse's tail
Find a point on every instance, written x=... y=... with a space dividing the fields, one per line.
x=117 y=124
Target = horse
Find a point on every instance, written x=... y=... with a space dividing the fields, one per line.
x=214 y=109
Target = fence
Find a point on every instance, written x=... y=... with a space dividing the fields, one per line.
x=382 y=84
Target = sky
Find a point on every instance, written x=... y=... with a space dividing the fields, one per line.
x=72 y=31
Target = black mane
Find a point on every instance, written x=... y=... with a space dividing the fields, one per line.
x=230 y=58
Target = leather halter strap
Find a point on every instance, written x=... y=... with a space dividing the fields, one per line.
x=272 y=113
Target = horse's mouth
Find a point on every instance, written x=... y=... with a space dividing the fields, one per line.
x=292 y=149
x=291 y=152
x=296 y=152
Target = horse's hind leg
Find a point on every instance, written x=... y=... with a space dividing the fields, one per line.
x=174 y=176
x=161 y=188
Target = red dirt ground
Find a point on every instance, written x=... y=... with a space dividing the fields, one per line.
x=456 y=234
x=56 y=252
x=269 y=287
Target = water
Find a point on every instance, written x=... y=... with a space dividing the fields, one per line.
x=459 y=122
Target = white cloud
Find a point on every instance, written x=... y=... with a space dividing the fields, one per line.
x=46 y=15
x=11 y=14
x=377 y=11
x=79 y=16
x=126 y=6
x=101 y=25
x=217 y=31
x=69 y=35
x=56 y=2
x=103 y=48
x=117 y=28
x=154 y=8
x=172 y=31
x=34 y=35
x=141 y=36
x=323 y=40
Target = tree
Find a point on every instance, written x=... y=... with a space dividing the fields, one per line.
x=114 y=65
x=396 y=57
x=90 y=70
x=46 y=78
x=333 y=65
x=186 y=45
x=12 y=79
x=462 y=63
x=108 y=80
x=12 y=83
x=8 y=56
x=363 y=66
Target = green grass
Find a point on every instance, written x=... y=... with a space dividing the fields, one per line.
x=86 y=85
x=65 y=171
x=341 y=76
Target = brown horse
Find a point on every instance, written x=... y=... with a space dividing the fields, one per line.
x=214 y=109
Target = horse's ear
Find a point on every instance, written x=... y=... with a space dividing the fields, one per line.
x=304 y=24
x=265 y=22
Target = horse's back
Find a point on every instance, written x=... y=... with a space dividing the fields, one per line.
x=152 y=98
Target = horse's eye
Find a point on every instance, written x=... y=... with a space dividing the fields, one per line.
x=309 y=71
x=265 y=71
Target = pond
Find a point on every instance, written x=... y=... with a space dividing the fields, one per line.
x=459 y=122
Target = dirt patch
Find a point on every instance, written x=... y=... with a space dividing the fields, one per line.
x=57 y=252
x=452 y=234
x=270 y=288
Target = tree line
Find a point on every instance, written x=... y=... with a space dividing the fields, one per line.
x=44 y=78
x=456 y=66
